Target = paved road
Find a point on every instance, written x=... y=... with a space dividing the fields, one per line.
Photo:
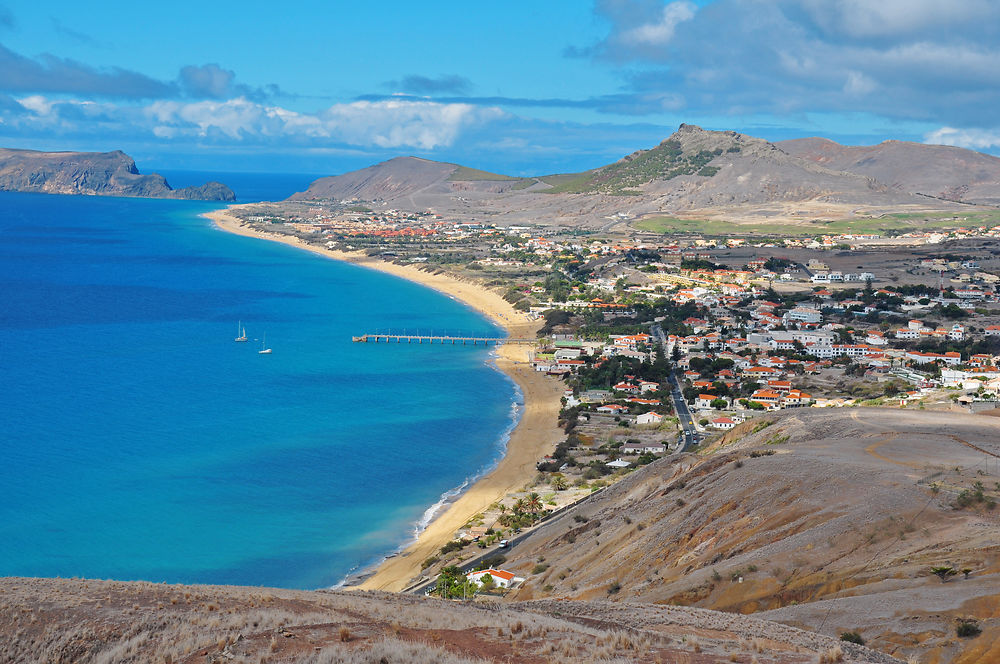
x=689 y=432
x=470 y=564
x=691 y=435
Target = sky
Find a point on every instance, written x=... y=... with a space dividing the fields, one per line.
x=516 y=87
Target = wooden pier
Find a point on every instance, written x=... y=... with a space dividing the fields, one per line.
x=435 y=339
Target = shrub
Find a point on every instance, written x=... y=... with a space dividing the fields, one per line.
x=967 y=628
x=614 y=588
x=761 y=453
x=454 y=545
x=852 y=637
x=539 y=568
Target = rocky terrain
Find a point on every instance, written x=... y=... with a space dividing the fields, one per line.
x=934 y=170
x=828 y=520
x=693 y=173
x=93 y=173
x=46 y=620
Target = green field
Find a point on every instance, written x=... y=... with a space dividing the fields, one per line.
x=899 y=222
x=466 y=174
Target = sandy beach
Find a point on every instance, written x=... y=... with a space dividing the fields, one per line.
x=535 y=435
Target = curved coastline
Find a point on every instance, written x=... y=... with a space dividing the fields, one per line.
x=534 y=435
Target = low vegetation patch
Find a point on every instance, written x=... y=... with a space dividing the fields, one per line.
x=967 y=628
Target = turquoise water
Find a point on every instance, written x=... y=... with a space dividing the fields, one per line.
x=140 y=442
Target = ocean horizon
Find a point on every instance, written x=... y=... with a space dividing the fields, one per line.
x=142 y=442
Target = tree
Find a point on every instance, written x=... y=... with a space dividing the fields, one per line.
x=719 y=404
x=534 y=502
x=943 y=572
x=486 y=583
x=559 y=482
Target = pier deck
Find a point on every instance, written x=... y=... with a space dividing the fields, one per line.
x=438 y=339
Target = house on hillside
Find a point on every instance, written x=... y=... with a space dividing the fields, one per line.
x=649 y=418
x=501 y=578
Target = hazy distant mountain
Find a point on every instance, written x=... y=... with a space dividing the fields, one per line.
x=934 y=170
x=93 y=173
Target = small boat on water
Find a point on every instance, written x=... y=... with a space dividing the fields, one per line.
x=264 y=350
x=241 y=332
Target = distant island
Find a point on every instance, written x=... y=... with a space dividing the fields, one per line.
x=93 y=174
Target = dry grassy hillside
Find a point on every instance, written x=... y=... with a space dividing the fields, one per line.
x=105 y=622
x=830 y=520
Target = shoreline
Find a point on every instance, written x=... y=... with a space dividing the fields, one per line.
x=534 y=435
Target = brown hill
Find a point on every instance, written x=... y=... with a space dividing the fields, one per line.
x=829 y=520
x=93 y=173
x=398 y=179
x=692 y=170
x=105 y=622
x=934 y=170
x=747 y=170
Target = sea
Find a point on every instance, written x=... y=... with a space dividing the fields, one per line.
x=138 y=440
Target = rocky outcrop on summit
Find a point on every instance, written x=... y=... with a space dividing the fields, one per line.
x=740 y=169
x=93 y=173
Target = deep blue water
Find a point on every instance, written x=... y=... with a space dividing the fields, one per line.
x=140 y=442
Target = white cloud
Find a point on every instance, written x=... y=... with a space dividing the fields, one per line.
x=858 y=84
x=893 y=18
x=660 y=32
x=914 y=60
x=384 y=124
x=392 y=123
x=975 y=139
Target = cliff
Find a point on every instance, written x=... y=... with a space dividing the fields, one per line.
x=93 y=174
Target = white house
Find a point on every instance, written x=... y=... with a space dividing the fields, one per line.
x=649 y=418
x=612 y=408
x=501 y=578
x=704 y=401
x=723 y=423
x=637 y=448
x=804 y=314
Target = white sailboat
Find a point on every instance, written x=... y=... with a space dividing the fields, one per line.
x=264 y=350
x=241 y=331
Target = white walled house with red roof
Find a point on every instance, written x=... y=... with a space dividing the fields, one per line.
x=704 y=401
x=649 y=418
x=501 y=578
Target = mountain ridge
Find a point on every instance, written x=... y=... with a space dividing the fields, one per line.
x=692 y=172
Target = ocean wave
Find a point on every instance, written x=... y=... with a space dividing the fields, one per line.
x=360 y=572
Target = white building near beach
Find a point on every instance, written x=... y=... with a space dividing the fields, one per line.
x=501 y=578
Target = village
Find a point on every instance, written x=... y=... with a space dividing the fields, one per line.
x=664 y=346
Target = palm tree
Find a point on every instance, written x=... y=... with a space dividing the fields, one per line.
x=534 y=502
x=559 y=483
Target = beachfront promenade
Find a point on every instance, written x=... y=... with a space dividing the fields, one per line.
x=431 y=339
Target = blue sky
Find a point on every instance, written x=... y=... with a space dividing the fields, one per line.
x=516 y=87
